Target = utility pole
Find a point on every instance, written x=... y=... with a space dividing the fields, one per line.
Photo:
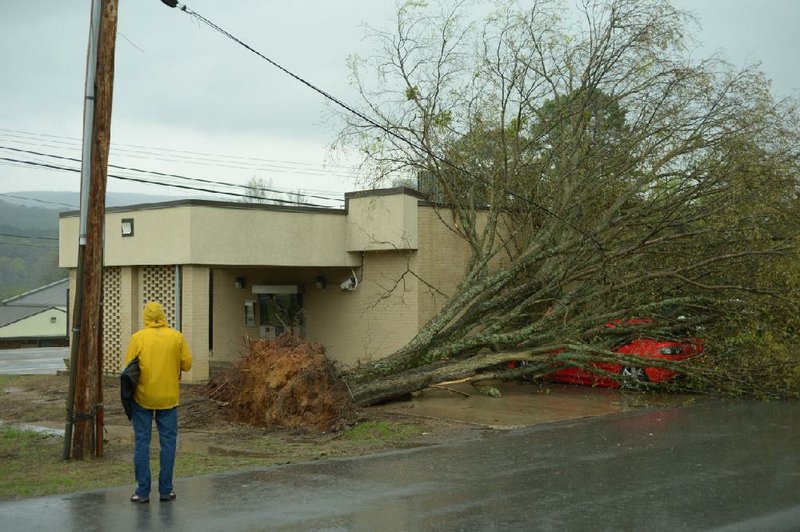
x=84 y=405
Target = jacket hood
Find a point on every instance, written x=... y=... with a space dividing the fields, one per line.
x=154 y=315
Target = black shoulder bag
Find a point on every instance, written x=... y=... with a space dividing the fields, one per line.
x=128 y=380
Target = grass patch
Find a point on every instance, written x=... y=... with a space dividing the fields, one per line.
x=31 y=465
x=380 y=431
x=30 y=381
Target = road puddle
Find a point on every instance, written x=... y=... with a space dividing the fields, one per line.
x=34 y=428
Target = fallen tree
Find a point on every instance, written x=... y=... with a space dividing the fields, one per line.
x=595 y=172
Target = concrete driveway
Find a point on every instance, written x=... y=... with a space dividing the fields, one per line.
x=33 y=360
x=524 y=404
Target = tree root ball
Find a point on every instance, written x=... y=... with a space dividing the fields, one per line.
x=286 y=382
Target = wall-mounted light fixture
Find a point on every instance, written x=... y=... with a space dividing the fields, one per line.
x=239 y=282
x=127 y=227
x=319 y=282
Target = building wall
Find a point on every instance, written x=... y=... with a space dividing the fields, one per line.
x=230 y=331
x=369 y=322
x=394 y=237
x=113 y=354
x=161 y=236
x=127 y=289
x=121 y=316
x=38 y=325
x=252 y=237
x=374 y=320
x=194 y=318
x=443 y=257
x=130 y=311
x=382 y=223
x=225 y=234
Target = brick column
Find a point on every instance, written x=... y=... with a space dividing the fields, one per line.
x=130 y=303
x=195 y=319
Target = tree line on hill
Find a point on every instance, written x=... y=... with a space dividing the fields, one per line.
x=28 y=248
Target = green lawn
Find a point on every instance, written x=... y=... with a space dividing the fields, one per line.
x=31 y=464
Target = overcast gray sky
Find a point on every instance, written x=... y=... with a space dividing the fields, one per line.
x=188 y=101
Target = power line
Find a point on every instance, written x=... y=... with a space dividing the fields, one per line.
x=370 y=121
x=30 y=237
x=26 y=245
x=162 y=174
x=222 y=160
x=150 y=150
x=38 y=200
x=271 y=167
x=172 y=185
x=340 y=103
x=277 y=190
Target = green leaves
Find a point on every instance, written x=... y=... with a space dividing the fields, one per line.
x=412 y=94
x=595 y=171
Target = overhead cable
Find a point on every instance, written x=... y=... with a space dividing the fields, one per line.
x=22 y=244
x=38 y=200
x=176 y=176
x=172 y=185
x=373 y=123
x=30 y=237
x=194 y=157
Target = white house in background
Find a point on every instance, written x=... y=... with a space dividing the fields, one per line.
x=38 y=317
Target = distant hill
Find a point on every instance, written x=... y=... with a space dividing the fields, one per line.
x=29 y=232
x=28 y=248
x=71 y=200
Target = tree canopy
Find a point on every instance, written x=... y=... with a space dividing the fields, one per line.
x=596 y=172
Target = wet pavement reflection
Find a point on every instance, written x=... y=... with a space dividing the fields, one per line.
x=732 y=465
x=33 y=360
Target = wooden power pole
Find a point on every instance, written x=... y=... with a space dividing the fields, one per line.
x=88 y=408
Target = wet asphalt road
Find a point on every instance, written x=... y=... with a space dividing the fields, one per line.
x=33 y=360
x=719 y=465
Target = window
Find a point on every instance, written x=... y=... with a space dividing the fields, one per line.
x=127 y=227
x=281 y=311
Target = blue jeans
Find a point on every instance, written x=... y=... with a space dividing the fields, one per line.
x=167 y=425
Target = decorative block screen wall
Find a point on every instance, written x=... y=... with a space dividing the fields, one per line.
x=158 y=284
x=112 y=345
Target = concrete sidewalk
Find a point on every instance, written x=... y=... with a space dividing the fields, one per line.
x=524 y=404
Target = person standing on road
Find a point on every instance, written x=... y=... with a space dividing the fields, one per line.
x=163 y=354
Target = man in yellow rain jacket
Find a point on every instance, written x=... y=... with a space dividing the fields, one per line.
x=162 y=354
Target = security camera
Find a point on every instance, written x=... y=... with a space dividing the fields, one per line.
x=348 y=284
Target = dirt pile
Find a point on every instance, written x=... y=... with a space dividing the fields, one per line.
x=286 y=382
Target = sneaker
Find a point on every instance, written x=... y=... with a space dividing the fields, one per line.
x=139 y=499
x=167 y=497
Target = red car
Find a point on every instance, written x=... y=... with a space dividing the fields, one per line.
x=647 y=348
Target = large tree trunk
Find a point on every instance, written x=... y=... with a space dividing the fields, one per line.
x=368 y=391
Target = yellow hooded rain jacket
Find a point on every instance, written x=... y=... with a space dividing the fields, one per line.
x=163 y=354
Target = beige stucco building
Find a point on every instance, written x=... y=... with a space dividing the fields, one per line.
x=348 y=278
